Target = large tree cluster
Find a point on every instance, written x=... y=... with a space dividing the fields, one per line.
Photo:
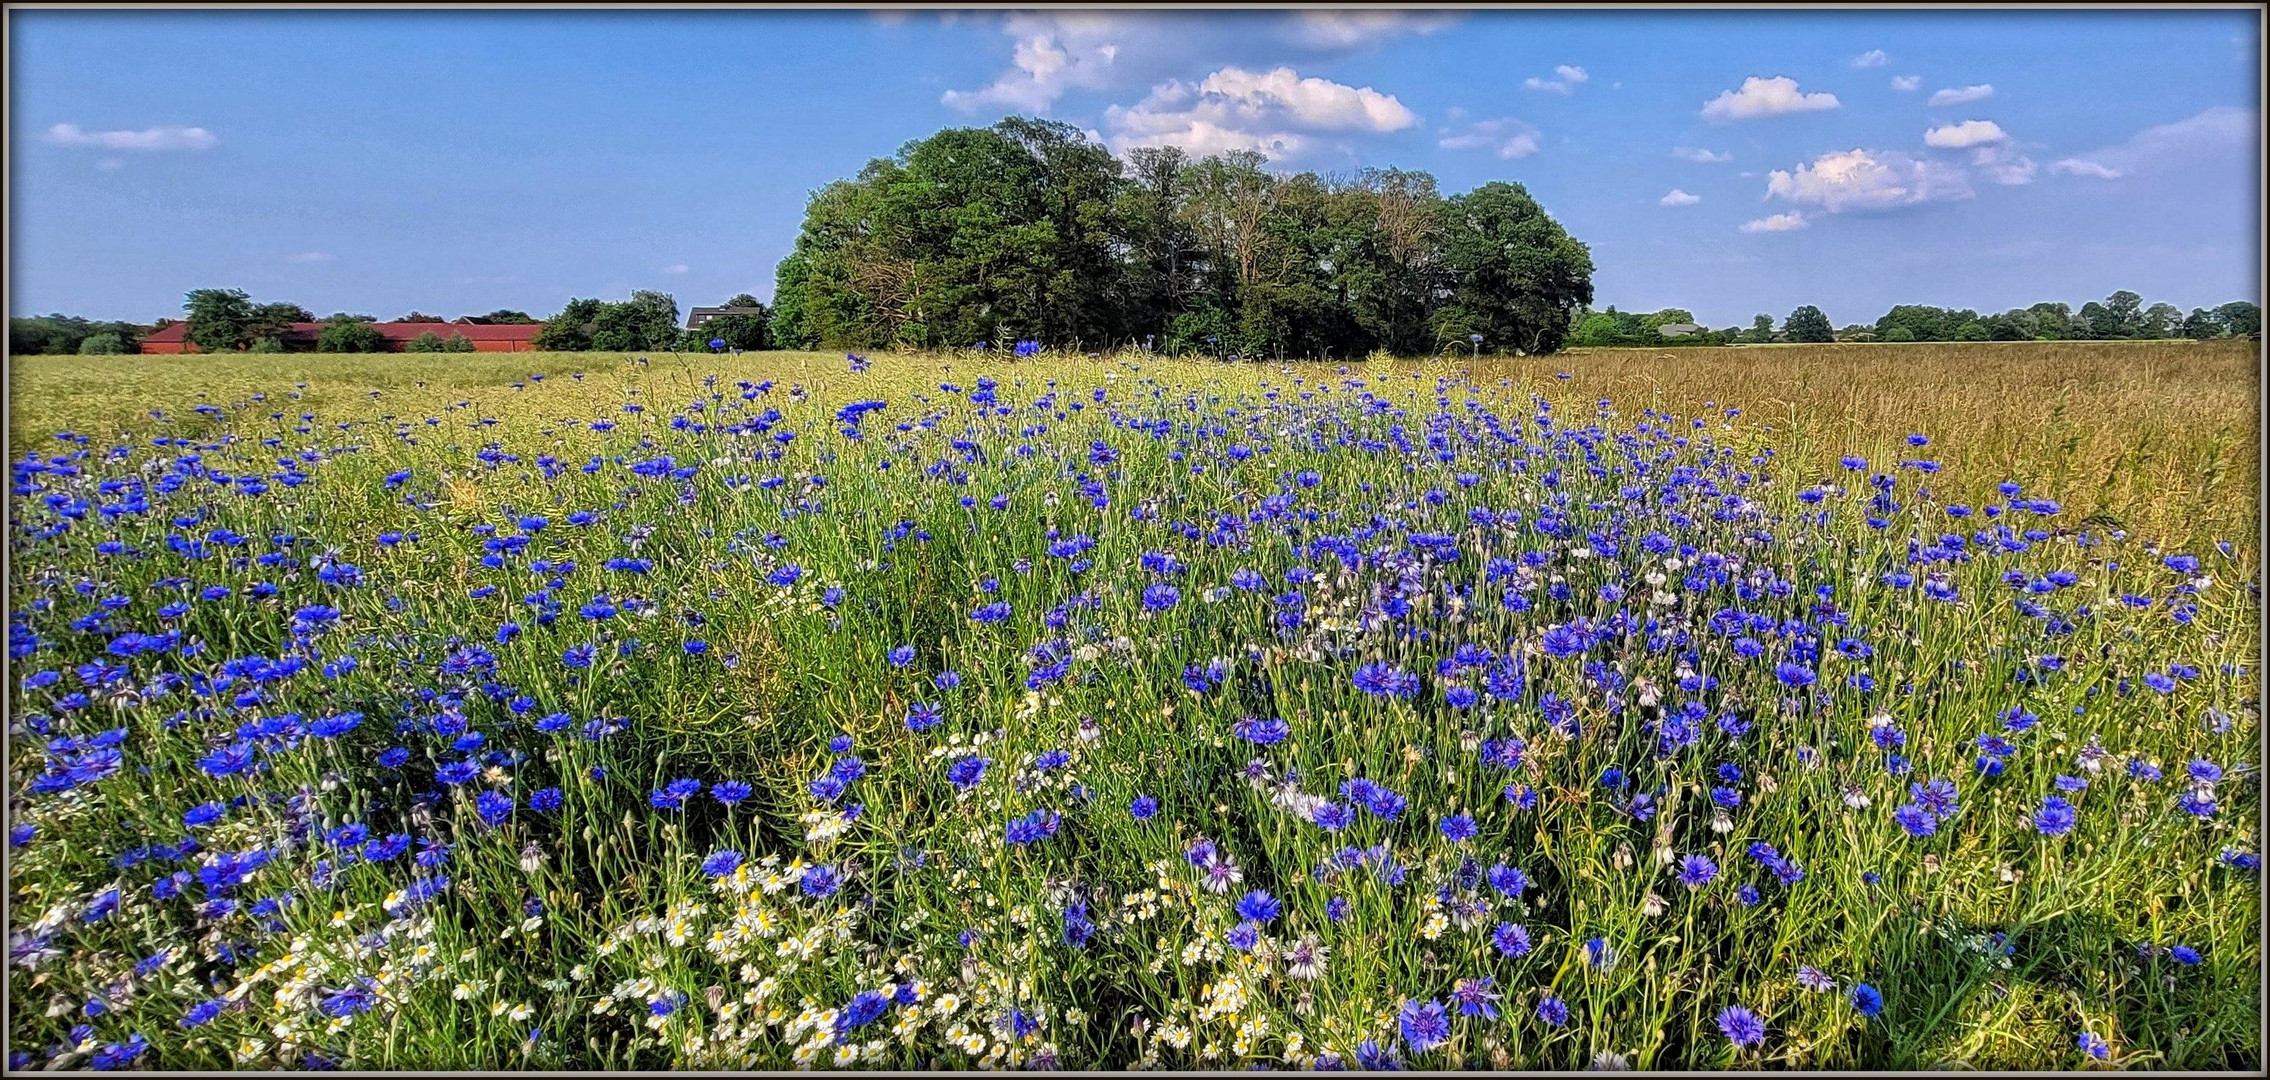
x=1028 y=230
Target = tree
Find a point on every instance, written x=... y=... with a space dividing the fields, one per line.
x=1760 y=331
x=218 y=318
x=648 y=320
x=426 y=342
x=421 y=317
x=1971 y=330
x=107 y=343
x=2240 y=318
x=2122 y=316
x=1514 y=274
x=2160 y=320
x=2200 y=325
x=457 y=343
x=350 y=336
x=507 y=317
x=744 y=300
x=275 y=321
x=570 y=330
x=747 y=333
x=1808 y=325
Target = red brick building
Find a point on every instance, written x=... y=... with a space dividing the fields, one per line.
x=486 y=337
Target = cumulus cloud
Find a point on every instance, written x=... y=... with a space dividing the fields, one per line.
x=1236 y=109
x=1967 y=133
x=304 y=257
x=1678 y=198
x=2225 y=131
x=1511 y=138
x=1776 y=223
x=1055 y=52
x=156 y=138
x=1565 y=78
x=1765 y=97
x=1706 y=157
x=1871 y=58
x=1904 y=83
x=1345 y=29
x=1964 y=96
x=1868 y=180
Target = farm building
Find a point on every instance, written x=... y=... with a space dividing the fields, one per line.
x=514 y=337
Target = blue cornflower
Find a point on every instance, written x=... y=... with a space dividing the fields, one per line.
x=2056 y=817
x=729 y=792
x=1553 y=1011
x=1259 y=906
x=1867 y=1000
x=1425 y=1025
x=1143 y=808
x=901 y=656
x=721 y=863
x=1459 y=828
x=1511 y=939
x=1696 y=871
x=1741 y=1026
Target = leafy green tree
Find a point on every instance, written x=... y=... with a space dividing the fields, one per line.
x=1513 y=273
x=1972 y=330
x=1808 y=325
x=2122 y=316
x=648 y=320
x=426 y=342
x=2240 y=318
x=274 y=321
x=2160 y=320
x=2200 y=325
x=218 y=318
x=1897 y=334
x=457 y=343
x=1760 y=331
x=2052 y=321
x=748 y=333
x=421 y=317
x=570 y=330
x=349 y=335
x=106 y=343
x=507 y=317
x=267 y=345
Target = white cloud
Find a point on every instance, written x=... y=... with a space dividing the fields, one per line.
x=1868 y=180
x=2080 y=167
x=1706 y=157
x=1964 y=96
x=1765 y=97
x=2224 y=130
x=676 y=268
x=310 y=257
x=1511 y=138
x=1346 y=29
x=1776 y=223
x=1678 y=198
x=1967 y=133
x=2003 y=165
x=1871 y=58
x=1055 y=52
x=1565 y=78
x=157 y=138
x=1904 y=83
x=1236 y=109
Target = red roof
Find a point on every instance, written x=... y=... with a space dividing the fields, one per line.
x=394 y=331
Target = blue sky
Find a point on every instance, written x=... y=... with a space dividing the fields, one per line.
x=1730 y=163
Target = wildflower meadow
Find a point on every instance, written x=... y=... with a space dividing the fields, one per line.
x=1012 y=709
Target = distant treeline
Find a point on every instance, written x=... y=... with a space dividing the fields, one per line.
x=2121 y=316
